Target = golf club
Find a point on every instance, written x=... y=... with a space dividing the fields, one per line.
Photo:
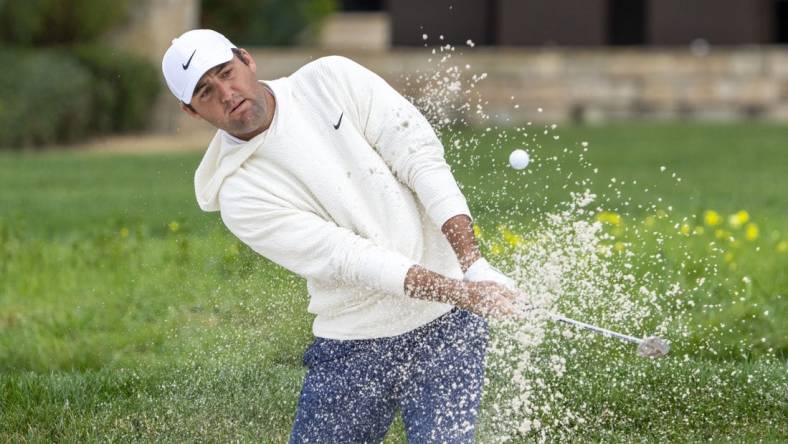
x=651 y=347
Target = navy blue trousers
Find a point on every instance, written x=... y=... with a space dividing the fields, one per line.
x=433 y=374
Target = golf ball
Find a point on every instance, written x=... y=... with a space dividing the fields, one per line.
x=519 y=159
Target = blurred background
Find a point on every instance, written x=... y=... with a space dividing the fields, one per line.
x=590 y=61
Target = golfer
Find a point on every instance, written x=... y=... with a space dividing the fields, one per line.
x=332 y=174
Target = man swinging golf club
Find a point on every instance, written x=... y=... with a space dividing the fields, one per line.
x=332 y=174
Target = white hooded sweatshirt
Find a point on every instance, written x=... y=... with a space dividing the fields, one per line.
x=348 y=188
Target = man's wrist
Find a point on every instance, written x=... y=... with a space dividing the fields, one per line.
x=459 y=232
x=467 y=261
x=421 y=283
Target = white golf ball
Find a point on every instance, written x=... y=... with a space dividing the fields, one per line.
x=519 y=159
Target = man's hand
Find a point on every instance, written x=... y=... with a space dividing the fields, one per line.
x=491 y=300
x=488 y=299
x=482 y=272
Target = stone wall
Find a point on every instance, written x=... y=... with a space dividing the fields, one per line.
x=700 y=82
x=580 y=85
x=593 y=84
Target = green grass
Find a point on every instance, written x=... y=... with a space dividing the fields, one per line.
x=126 y=314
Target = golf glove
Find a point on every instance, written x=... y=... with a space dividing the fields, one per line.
x=481 y=270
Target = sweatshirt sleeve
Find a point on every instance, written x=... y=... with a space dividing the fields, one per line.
x=310 y=246
x=401 y=135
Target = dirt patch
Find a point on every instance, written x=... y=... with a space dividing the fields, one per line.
x=150 y=143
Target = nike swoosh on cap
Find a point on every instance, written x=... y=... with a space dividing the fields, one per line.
x=188 y=62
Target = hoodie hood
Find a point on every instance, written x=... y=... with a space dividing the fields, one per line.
x=226 y=154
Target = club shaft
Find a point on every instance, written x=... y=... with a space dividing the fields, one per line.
x=594 y=328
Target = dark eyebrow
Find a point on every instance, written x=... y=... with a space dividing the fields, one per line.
x=201 y=83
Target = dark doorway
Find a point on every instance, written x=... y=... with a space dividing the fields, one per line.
x=781 y=21
x=361 y=5
x=456 y=20
x=626 y=22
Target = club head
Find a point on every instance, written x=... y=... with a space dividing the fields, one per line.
x=653 y=347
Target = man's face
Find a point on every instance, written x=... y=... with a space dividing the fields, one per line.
x=229 y=97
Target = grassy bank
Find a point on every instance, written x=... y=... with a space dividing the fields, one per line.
x=126 y=314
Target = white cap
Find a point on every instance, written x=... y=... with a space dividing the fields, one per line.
x=192 y=55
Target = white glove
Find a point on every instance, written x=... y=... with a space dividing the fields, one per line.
x=481 y=270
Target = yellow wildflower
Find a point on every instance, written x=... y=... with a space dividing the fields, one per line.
x=174 y=226
x=739 y=219
x=711 y=218
x=510 y=237
x=649 y=221
x=496 y=249
x=515 y=240
x=477 y=231
x=124 y=232
x=751 y=232
x=782 y=247
x=609 y=217
x=619 y=246
x=684 y=229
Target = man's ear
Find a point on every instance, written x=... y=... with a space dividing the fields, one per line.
x=248 y=60
x=190 y=111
